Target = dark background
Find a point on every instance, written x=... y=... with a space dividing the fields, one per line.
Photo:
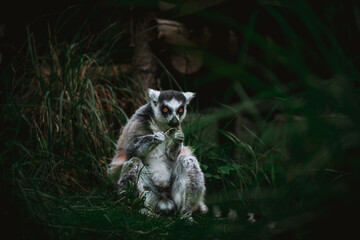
x=340 y=17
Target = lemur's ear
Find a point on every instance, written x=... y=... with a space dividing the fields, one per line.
x=153 y=94
x=189 y=96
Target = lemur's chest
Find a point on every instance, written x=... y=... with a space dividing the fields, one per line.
x=159 y=165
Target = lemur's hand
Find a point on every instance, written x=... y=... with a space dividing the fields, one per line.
x=178 y=136
x=159 y=137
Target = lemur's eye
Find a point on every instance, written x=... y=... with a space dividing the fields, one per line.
x=165 y=110
x=180 y=110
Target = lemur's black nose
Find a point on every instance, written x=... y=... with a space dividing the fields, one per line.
x=174 y=122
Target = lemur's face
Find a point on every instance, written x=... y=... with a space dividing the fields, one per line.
x=169 y=106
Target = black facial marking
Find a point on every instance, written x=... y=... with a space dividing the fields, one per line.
x=174 y=122
x=170 y=94
x=183 y=110
x=165 y=113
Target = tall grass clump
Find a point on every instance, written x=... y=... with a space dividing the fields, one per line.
x=66 y=100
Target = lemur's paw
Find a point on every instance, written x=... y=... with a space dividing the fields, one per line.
x=159 y=137
x=203 y=208
x=165 y=207
x=178 y=137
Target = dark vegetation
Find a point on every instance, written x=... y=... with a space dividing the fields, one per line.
x=275 y=124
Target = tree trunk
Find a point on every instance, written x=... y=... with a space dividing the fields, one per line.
x=143 y=62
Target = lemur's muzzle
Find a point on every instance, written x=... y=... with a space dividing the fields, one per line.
x=174 y=122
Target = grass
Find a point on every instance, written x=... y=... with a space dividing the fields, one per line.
x=294 y=165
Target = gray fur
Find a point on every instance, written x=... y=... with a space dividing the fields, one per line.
x=149 y=156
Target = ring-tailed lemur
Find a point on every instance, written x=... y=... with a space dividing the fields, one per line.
x=150 y=154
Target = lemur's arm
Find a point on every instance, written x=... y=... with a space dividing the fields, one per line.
x=176 y=146
x=140 y=146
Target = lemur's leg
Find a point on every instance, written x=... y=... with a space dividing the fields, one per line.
x=189 y=185
x=134 y=171
x=129 y=174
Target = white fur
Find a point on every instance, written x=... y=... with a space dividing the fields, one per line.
x=157 y=165
x=189 y=96
x=173 y=104
x=153 y=94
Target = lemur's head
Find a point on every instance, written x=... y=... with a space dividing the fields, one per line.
x=169 y=107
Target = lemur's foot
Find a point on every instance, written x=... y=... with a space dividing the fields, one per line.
x=203 y=208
